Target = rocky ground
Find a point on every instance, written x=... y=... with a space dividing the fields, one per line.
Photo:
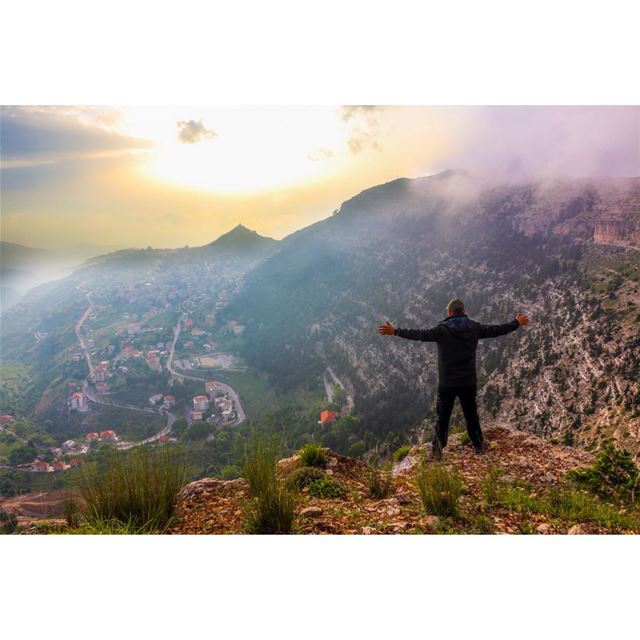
x=211 y=506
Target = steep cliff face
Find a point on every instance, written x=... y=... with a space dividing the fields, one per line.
x=613 y=232
x=605 y=211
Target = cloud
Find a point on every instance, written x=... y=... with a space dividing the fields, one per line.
x=523 y=143
x=350 y=111
x=192 y=131
x=364 y=127
x=50 y=134
x=321 y=154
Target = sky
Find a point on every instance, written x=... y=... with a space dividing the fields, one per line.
x=176 y=176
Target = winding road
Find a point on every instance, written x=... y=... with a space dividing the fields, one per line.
x=89 y=390
x=225 y=387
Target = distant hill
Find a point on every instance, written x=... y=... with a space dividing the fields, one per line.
x=240 y=240
x=23 y=268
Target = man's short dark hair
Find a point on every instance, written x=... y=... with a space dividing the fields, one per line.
x=455 y=306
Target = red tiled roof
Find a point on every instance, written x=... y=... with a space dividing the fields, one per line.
x=328 y=416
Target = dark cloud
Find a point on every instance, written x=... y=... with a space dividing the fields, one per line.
x=192 y=131
x=51 y=134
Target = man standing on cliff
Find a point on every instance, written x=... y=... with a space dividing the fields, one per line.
x=457 y=337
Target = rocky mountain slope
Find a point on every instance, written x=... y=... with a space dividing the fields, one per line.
x=511 y=489
x=400 y=251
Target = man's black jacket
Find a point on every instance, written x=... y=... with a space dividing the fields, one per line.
x=457 y=337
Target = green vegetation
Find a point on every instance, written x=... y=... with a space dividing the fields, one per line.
x=567 y=504
x=401 y=452
x=464 y=438
x=129 y=425
x=8 y=522
x=270 y=509
x=313 y=455
x=439 y=489
x=137 y=490
x=71 y=511
x=327 y=487
x=302 y=477
x=379 y=482
x=613 y=475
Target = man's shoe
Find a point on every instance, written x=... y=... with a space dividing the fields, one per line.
x=436 y=449
x=480 y=448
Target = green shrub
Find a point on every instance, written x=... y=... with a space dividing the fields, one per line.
x=401 y=452
x=379 y=482
x=137 y=489
x=302 y=477
x=270 y=508
x=464 y=438
x=357 y=449
x=313 y=455
x=8 y=522
x=231 y=472
x=71 y=511
x=565 y=503
x=327 y=487
x=577 y=506
x=481 y=524
x=490 y=485
x=439 y=489
x=614 y=474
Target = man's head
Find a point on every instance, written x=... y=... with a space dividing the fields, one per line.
x=455 y=307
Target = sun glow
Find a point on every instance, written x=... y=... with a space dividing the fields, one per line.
x=248 y=149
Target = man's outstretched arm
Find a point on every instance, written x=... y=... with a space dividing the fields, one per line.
x=424 y=335
x=495 y=330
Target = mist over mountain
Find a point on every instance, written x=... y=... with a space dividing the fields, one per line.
x=23 y=268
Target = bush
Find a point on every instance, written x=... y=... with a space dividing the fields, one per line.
x=327 y=487
x=271 y=507
x=302 y=477
x=490 y=485
x=231 y=472
x=567 y=504
x=439 y=490
x=401 y=452
x=379 y=482
x=313 y=455
x=137 y=489
x=357 y=449
x=614 y=474
x=8 y=522
x=7 y=488
x=71 y=511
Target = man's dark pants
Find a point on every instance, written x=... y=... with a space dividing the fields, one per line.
x=444 y=406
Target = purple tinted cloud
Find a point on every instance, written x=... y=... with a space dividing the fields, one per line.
x=537 y=142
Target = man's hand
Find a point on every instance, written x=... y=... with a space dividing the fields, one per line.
x=386 y=329
x=522 y=319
